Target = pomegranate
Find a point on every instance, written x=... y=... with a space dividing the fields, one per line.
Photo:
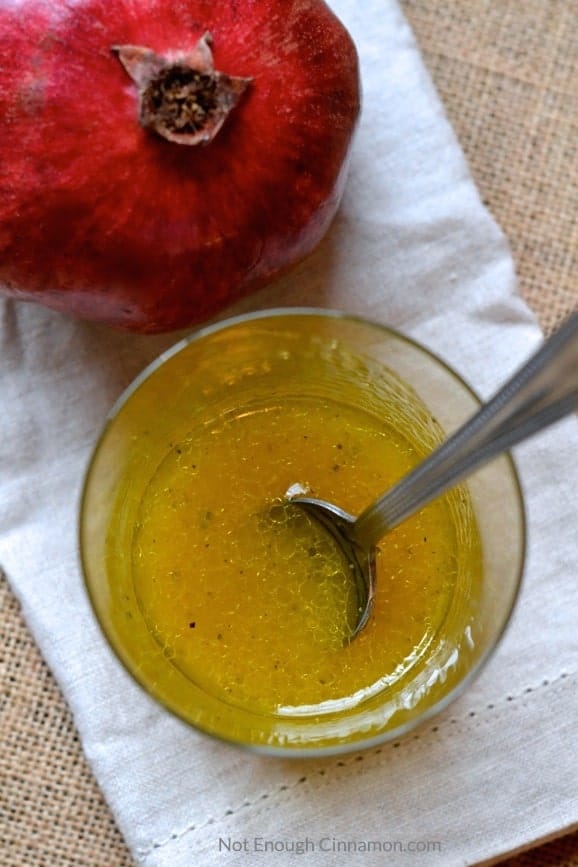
x=161 y=158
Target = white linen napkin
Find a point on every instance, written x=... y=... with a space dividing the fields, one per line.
x=412 y=247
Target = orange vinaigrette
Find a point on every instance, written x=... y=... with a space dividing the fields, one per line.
x=244 y=598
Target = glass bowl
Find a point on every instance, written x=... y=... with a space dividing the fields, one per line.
x=224 y=604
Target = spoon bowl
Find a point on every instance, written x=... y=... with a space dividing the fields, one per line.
x=360 y=558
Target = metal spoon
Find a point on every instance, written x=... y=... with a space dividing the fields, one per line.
x=543 y=391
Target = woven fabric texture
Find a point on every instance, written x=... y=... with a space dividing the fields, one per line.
x=507 y=73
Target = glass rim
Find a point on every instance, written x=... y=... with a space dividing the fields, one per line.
x=388 y=735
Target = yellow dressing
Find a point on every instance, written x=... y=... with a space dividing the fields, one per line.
x=244 y=598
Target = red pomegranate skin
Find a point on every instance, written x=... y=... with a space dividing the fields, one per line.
x=106 y=220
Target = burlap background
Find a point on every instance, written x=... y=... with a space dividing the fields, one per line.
x=507 y=71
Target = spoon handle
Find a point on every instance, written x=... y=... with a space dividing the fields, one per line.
x=543 y=391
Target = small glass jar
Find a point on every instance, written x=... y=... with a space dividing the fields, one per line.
x=177 y=593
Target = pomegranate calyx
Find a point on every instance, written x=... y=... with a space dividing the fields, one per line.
x=181 y=96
